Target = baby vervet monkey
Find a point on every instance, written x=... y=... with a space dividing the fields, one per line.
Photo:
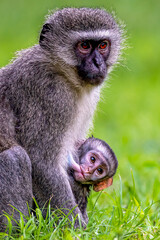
x=94 y=163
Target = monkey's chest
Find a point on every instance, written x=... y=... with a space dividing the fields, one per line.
x=85 y=108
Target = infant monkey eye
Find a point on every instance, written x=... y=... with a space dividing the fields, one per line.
x=92 y=159
x=99 y=170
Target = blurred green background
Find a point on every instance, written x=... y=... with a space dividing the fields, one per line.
x=128 y=117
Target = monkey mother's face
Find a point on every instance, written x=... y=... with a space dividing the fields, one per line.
x=92 y=56
x=84 y=40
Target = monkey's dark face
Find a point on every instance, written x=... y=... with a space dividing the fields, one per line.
x=82 y=43
x=93 y=168
x=92 y=56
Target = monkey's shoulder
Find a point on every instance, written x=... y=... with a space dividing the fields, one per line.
x=36 y=78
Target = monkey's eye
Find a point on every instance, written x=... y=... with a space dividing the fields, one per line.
x=99 y=170
x=103 y=46
x=84 y=47
x=92 y=159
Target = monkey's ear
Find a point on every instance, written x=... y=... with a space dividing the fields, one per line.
x=43 y=35
x=102 y=185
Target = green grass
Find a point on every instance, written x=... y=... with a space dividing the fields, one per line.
x=119 y=218
x=128 y=118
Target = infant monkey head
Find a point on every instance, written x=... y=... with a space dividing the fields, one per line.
x=97 y=164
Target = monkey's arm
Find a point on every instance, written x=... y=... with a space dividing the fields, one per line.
x=56 y=188
x=7 y=130
x=15 y=183
x=15 y=169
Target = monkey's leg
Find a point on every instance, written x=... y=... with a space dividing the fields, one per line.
x=83 y=208
x=15 y=183
x=52 y=183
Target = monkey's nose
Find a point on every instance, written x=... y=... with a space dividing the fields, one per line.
x=86 y=169
x=97 y=60
x=89 y=170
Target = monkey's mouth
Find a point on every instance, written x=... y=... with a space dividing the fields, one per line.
x=94 y=79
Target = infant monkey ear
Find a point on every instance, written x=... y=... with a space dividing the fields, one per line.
x=102 y=185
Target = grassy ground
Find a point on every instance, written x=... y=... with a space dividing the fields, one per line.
x=128 y=118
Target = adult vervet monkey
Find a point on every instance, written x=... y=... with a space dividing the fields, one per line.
x=48 y=96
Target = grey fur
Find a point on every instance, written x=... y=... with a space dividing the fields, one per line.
x=45 y=107
x=15 y=183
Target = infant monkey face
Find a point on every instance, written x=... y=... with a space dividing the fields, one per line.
x=93 y=167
